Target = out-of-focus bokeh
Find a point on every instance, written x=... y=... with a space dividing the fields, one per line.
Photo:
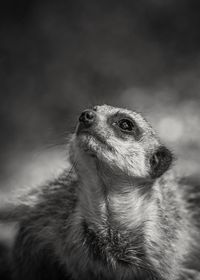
x=59 y=57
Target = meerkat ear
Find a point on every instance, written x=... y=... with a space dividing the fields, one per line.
x=160 y=161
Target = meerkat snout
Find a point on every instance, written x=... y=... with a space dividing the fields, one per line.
x=87 y=118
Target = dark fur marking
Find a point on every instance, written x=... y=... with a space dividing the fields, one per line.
x=114 y=248
x=160 y=161
x=136 y=134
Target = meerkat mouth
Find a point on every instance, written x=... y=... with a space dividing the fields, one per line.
x=93 y=142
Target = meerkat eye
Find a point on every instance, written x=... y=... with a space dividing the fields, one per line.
x=126 y=125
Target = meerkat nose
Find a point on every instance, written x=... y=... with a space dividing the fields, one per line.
x=87 y=117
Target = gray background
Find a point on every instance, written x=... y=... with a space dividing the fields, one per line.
x=59 y=57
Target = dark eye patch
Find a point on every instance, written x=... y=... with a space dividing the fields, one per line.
x=124 y=126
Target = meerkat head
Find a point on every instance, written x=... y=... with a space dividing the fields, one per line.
x=120 y=140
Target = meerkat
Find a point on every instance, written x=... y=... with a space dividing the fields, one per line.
x=119 y=214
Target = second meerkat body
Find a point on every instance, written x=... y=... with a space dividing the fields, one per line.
x=119 y=214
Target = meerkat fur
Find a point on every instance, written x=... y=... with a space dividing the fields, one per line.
x=118 y=214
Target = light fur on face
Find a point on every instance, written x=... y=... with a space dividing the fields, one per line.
x=117 y=168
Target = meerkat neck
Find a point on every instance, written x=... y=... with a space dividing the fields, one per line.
x=92 y=200
x=105 y=200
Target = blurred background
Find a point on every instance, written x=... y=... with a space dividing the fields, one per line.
x=59 y=57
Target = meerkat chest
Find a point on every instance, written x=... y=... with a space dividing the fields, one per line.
x=109 y=253
x=115 y=238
